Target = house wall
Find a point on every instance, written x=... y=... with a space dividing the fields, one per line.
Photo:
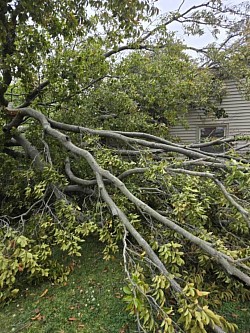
x=238 y=122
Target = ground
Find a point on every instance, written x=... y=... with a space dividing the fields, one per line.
x=90 y=301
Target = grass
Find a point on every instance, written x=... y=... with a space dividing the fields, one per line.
x=90 y=302
x=238 y=313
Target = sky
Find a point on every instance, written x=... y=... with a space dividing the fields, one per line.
x=195 y=41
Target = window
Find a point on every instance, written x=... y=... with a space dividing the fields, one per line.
x=211 y=133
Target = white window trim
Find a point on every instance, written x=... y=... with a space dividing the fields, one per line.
x=199 y=127
x=225 y=126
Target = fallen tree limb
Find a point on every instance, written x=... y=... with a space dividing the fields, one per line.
x=222 y=259
x=102 y=176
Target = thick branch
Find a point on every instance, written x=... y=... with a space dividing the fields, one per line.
x=167 y=147
x=218 y=256
x=30 y=150
x=116 y=211
x=224 y=260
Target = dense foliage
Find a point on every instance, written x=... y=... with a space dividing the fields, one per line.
x=85 y=149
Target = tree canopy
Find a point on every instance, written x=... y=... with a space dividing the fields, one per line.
x=88 y=92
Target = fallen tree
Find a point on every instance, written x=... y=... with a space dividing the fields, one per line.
x=181 y=214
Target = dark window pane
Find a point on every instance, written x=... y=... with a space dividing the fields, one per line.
x=210 y=134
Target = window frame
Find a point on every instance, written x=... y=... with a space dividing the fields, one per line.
x=200 y=127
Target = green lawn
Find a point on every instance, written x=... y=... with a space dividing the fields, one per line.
x=238 y=313
x=90 y=302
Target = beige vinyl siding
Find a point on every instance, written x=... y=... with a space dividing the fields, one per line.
x=237 y=108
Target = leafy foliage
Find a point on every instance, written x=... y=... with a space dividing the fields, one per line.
x=187 y=210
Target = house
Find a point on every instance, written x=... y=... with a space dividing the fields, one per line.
x=202 y=127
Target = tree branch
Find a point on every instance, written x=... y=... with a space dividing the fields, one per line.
x=222 y=259
x=33 y=94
